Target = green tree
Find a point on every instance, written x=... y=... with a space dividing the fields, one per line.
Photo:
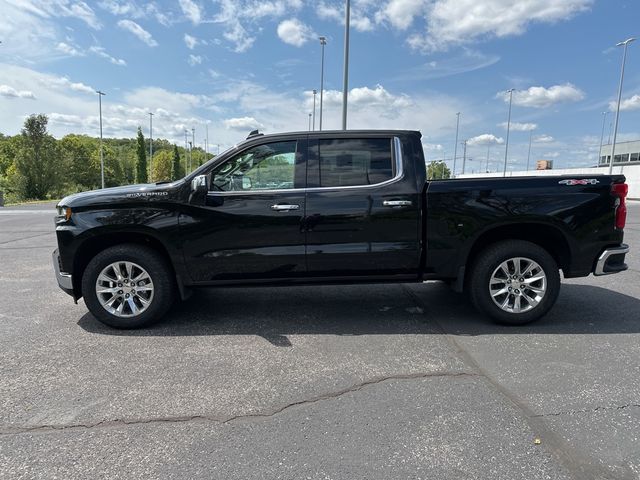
x=438 y=170
x=141 y=164
x=176 y=168
x=37 y=160
x=80 y=155
x=161 y=166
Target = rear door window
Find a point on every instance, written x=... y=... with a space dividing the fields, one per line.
x=354 y=162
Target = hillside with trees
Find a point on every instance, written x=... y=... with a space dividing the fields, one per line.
x=36 y=166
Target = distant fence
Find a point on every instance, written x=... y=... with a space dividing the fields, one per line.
x=631 y=172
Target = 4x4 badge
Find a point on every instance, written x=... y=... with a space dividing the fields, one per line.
x=582 y=181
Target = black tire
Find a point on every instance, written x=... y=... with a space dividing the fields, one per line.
x=489 y=260
x=157 y=269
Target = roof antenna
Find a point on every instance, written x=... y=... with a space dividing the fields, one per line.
x=254 y=133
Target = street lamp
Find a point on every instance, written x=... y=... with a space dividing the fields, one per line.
x=323 y=42
x=193 y=142
x=624 y=44
x=314 y=108
x=506 y=147
x=310 y=122
x=455 y=149
x=345 y=78
x=604 y=120
x=100 y=94
x=186 y=146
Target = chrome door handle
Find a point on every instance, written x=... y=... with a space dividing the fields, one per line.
x=284 y=208
x=397 y=203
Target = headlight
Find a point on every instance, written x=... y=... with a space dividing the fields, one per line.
x=64 y=214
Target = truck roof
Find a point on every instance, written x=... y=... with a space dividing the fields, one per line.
x=335 y=133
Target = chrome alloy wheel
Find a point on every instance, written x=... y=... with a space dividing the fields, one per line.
x=124 y=289
x=518 y=285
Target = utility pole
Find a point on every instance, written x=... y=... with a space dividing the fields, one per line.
x=207 y=141
x=314 y=109
x=323 y=42
x=506 y=147
x=455 y=149
x=624 y=44
x=310 y=122
x=100 y=94
x=488 y=150
x=345 y=78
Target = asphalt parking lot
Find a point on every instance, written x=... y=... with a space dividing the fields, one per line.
x=362 y=382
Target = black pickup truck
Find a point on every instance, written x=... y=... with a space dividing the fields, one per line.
x=336 y=207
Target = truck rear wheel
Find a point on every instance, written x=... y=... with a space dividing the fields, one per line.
x=514 y=282
x=128 y=286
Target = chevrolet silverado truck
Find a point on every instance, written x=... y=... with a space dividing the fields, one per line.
x=336 y=207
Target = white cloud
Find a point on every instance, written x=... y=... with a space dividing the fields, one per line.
x=363 y=97
x=243 y=123
x=131 y=9
x=631 y=103
x=190 y=41
x=69 y=49
x=101 y=52
x=138 y=31
x=540 y=97
x=432 y=147
x=360 y=19
x=194 y=60
x=459 y=22
x=519 y=127
x=294 y=32
x=191 y=10
x=10 y=92
x=543 y=139
x=400 y=13
x=485 y=139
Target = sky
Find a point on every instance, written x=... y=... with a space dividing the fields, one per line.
x=230 y=66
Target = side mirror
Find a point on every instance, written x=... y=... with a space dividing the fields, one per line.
x=246 y=183
x=199 y=184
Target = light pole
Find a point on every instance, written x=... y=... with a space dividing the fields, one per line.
x=624 y=44
x=455 y=149
x=190 y=155
x=604 y=120
x=309 y=122
x=314 y=108
x=100 y=94
x=506 y=147
x=345 y=78
x=464 y=155
x=323 y=42
x=150 y=141
x=529 y=154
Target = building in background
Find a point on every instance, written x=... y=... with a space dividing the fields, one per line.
x=544 y=165
x=626 y=153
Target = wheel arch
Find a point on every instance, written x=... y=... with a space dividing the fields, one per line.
x=98 y=242
x=545 y=236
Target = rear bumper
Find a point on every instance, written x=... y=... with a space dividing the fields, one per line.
x=611 y=260
x=65 y=281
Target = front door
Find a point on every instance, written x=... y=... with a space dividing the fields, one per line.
x=249 y=227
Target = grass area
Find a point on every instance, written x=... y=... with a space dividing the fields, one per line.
x=29 y=202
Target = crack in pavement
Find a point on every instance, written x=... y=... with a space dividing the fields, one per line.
x=224 y=420
x=579 y=466
x=588 y=410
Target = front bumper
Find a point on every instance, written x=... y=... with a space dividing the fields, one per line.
x=65 y=281
x=611 y=260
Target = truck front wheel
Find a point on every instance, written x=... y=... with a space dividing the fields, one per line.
x=514 y=282
x=128 y=286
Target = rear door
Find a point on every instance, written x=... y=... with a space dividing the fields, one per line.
x=249 y=227
x=363 y=208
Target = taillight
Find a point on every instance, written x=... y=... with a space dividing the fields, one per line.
x=620 y=190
